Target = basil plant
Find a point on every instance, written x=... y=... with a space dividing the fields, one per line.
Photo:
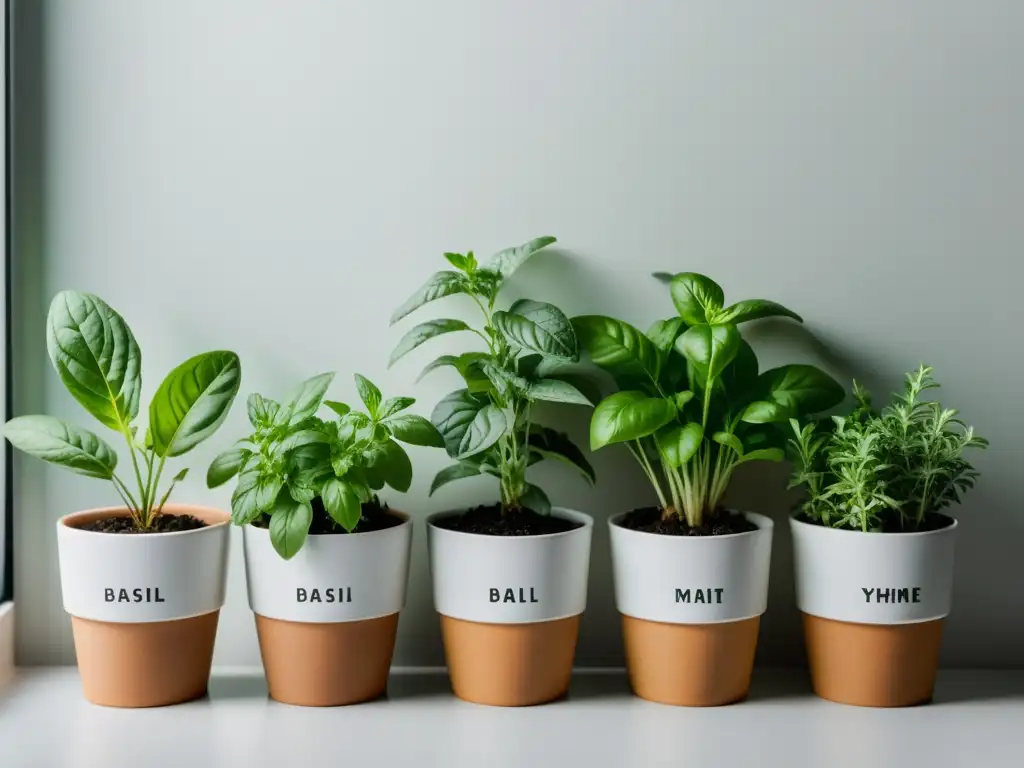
x=96 y=356
x=692 y=404
x=295 y=464
x=526 y=357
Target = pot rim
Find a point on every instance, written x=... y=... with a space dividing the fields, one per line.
x=579 y=517
x=122 y=511
x=403 y=516
x=763 y=523
x=795 y=521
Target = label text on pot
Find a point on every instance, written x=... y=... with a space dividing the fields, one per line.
x=892 y=595
x=139 y=595
x=511 y=595
x=328 y=595
x=707 y=595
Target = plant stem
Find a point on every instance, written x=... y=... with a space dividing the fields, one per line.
x=638 y=454
x=156 y=486
x=135 y=463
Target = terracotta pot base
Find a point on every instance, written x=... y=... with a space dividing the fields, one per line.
x=510 y=665
x=149 y=664
x=873 y=665
x=327 y=665
x=692 y=665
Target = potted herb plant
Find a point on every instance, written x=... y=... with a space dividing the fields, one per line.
x=326 y=561
x=872 y=547
x=691 y=577
x=510 y=578
x=143 y=582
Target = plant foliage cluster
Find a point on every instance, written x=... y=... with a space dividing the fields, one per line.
x=887 y=470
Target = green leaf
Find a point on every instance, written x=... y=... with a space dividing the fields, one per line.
x=261 y=411
x=463 y=263
x=338 y=407
x=59 y=442
x=369 y=394
x=710 y=348
x=550 y=444
x=696 y=297
x=680 y=443
x=96 y=356
x=439 y=362
x=487 y=428
x=663 y=333
x=729 y=440
x=225 y=466
x=243 y=500
x=506 y=262
x=534 y=498
x=538 y=327
x=556 y=391
x=304 y=400
x=763 y=454
x=791 y=391
x=193 y=401
x=452 y=416
x=301 y=491
x=300 y=438
x=393 y=464
x=268 y=487
x=180 y=476
x=627 y=416
x=393 y=405
x=617 y=347
x=415 y=430
x=505 y=382
x=452 y=473
x=739 y=377
x=753 y=309
x=439 y=285
x=682 y=398
x=289 y=526
x=341 y=500
x=424 y=332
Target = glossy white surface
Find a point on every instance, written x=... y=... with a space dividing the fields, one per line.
x=356 y=576
x=691 y=579
x=975 y=721
x=153 y=577
x=873 y=578
x=511 y=579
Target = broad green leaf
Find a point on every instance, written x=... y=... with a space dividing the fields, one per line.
x=505 y=382
x=534 y=498
x=710 y=348
x=424 y=332
x=439 y=285
x=679 y=444
x=464 y=263
x=506 y=262
x=393 y=464
x=791 y=391
x=193 y=401
x=729 y=440
x=225 y=466
x=550 y=444
x=300 y=438
x=301 y=491
x=96 y=356
x=556 y=391
x=243 y=500
x=393 y=405
x=338 y=407
x=766 y=412
x=415 y=430
x=617 y=347
x=627 y=416
x=763 y=454
x=268 y=486
x=663 y=333
x=488 y=427
x=538 y=327
x=303 y=401
x=341 y=500
x=368 y=393
x=452 y=416
x=438 y=362
x=740 y=376
x=59 y=442
x=289 y=526
x=261 y=411
x=696 y=297
x=753 y=309
x=452 y=473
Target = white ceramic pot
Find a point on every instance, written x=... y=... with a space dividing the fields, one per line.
x=333 y=578
x=510 y=579
x=873 y=578
x=691 y=579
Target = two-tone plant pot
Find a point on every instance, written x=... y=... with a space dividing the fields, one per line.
x=691 y=609
x=144 y=607
x=327 y=618
x=873 y=607
x=510 y=609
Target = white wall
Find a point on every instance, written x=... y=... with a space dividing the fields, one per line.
x=275 y=177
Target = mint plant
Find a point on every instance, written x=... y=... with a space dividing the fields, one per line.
x=295 y=464
x=692 y=405
x=526 y=357
x=888 y=470
x=97 y=358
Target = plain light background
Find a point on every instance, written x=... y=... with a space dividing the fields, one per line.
x=275 y=178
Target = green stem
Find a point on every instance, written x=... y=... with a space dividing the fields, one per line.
x=143 y=487
x=125 y=495
x=645 y=464
x=156 y=485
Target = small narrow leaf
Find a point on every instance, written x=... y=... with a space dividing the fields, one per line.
x=439 y=285
x=304 y=401
x=422 y=333
x=393 y=405
x=729 y=440
x=506 y=262
x=535 y=499
x=556 y=391
x=753 y=309
x=369 y=394
x=452 y=473
x=338 y=407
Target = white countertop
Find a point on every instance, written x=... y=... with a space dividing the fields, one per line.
x=976 y=721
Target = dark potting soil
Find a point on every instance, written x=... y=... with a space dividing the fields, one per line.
x=489 y=520
x=375 y=517
x=722 y=523
x=160 y=524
